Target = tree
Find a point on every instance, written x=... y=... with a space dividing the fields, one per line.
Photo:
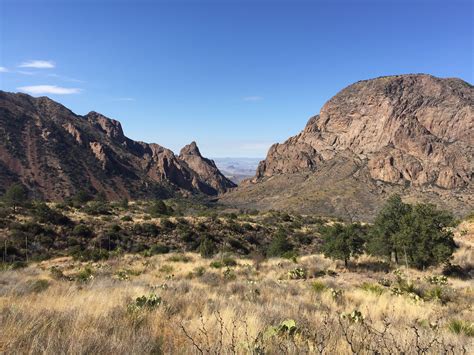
x=341 y=242
x=158 y=208
x=15 y=196
x=279 y=244
x=425 y=237
x=207 y=248
x=385 y=231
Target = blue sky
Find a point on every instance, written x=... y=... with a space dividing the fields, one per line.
x=236 y=76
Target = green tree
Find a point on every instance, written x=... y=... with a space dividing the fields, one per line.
x=384 y=234
x=207 y=248
x=425 y=237
x=16 y=196
x=279 y=244
x=341 y=242
x=158 y=207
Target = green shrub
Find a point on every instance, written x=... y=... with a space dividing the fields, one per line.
x=84 y=275
x=373 y=288
x=461 y=327
x=127 y=218
x=149 y=302
x=216 y=264
x=180 y=258
x=297 y=274
x=39 y=286
x=81 y=230
x=159 y=249
x=207 y=248
x=279 y=244
x=318 y=286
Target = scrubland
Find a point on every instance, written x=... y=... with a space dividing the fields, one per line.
x=182 y=303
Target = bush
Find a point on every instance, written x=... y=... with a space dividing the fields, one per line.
x=15 y=196
x=279 y=245
x=318 y=286
x=461 y=327
x=81 y=230
x=159 y=249
x=159 y=208
x=44 y=214
x=373 y=288
x=207 y=248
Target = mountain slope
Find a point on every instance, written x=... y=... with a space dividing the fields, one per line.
x=55 y=153
x=411 y=134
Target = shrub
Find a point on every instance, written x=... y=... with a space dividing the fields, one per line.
x=279 y=244
x=127 y=218
x=81 y=230
x=84 y=275
x=97 y=208
x=373 y=288
x=39 y=286
x=461 y=327
x=44 y=214
x=158 y=208
x=180 y=258
x=297 y=274
x=149 y=302
x=318 y=286
x=207 y=248
x=159 y=249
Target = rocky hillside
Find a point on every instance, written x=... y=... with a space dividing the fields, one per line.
x=55 y=153
x=411 y=134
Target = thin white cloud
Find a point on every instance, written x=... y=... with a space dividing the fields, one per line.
x=253 y=98
x=65 y=78
x=3 y=70
x=48 y=89
x=38 y=64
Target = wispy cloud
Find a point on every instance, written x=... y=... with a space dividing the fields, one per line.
x=3 y=70
x=48 y=89
x=38 y=64
x=24 y=72
x=65 y=78
x=252 y=98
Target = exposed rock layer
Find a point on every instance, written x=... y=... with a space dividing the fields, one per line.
x=55 y=153
x=409 y=132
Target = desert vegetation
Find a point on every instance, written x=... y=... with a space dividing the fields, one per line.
x=182 y=276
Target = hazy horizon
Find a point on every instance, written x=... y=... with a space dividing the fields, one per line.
x=234 y=76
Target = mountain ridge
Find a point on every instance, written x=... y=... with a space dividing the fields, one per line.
x=411 y=134
x=55 y=153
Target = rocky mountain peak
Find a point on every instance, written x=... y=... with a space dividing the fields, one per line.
x=412 y=134
x=190 y=149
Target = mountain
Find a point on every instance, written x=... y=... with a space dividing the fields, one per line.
x=409 y=134
x=237 y=169
x=205 y=168
x=55 y=153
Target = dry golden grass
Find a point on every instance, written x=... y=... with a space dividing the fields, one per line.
x=220 y=310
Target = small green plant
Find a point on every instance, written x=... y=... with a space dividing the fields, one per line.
x=439 y=280
x=144 y=302
x=229 y=275
x=180 y=258
x=216 y=264
x=127 y=218
x=354 y=317
x=285 y=328
x=85 y=275
x=297 y=274
x=207 y=248
x=318 y=287
x=460 y=327
x=336 y=294
x=166 y=269
x=39 y=286
x=373 y=288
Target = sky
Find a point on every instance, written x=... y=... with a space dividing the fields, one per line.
x=234 y=76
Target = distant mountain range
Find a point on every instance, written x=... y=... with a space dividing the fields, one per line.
x=237 y=169
x=55 y=153
x=407 y=134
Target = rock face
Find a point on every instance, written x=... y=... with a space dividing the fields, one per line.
x=55 y=153
x=205 y=168
x=408 y=131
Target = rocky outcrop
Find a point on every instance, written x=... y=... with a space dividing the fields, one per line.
x=55 y=153
x=412 y=131
x=205 y=168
